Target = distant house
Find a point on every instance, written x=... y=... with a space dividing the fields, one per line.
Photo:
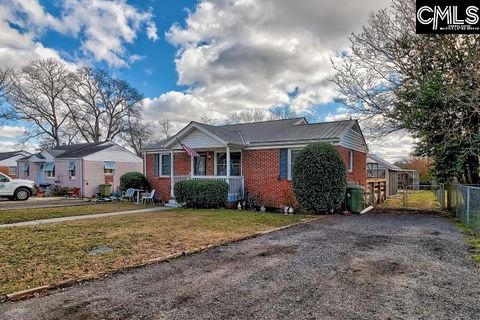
x=8 y=162
x=85 y=166
x=251 y=157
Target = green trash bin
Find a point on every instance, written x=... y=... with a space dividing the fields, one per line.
x=355 y=198
x=105 y=190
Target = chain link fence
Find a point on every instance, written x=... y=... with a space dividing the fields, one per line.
x=464 y=201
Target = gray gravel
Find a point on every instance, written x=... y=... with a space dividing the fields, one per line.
x=378 y=266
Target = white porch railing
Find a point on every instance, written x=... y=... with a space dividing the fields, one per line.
x=235 y=184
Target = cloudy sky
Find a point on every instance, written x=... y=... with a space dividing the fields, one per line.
x=197 y=58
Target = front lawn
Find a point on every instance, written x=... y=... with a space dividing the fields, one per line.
x=47 y=254
x=21 y=215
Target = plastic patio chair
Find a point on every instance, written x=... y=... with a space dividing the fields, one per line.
x=128 y=194
x=148 y=197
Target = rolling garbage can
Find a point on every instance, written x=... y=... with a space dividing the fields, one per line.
x=105 y=190
x=355 y=198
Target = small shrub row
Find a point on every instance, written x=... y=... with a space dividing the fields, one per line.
x=202 y=193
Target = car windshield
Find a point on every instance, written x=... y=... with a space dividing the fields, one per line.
x=4 y=178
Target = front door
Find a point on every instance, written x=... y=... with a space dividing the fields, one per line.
x=200 y=165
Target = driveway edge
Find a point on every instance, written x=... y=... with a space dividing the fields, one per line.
x=34 y=292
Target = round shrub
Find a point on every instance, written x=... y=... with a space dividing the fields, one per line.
x=319 y=178
x=134 y=180
x=201 y=193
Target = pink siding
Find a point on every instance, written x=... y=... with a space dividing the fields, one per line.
x=62 y=176
x=95 y=176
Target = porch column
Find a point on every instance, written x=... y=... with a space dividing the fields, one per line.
x=172 y=174
x=192 y=166
x=228 y=161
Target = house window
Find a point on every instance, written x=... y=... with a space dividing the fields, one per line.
x=72 y=172
x=49 y=169
x=200 y=165
x=235 y=164
x=109 y=167
x=350 y=160
x=165 y=164
x=26 y=169
x=12 y=170
x=292 y=157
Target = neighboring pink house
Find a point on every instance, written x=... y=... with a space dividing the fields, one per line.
x=86 y=166
x=251 y=157
x=8 y=162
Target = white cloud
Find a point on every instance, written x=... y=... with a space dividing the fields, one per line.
x=11 y=132
x=244 y=53
x=102 y=27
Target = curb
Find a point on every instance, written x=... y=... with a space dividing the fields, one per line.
x=35 y=292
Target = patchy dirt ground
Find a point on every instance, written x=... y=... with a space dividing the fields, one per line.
x=377 y=266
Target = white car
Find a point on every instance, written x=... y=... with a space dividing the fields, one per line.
x=15 y=189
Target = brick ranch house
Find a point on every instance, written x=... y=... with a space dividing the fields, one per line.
x=251 y=157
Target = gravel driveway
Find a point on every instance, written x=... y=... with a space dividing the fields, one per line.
x=377 y=266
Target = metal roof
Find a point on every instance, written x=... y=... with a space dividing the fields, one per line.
x=9 y=154
x=288 y=130
x=79 y=150
x=382 y=163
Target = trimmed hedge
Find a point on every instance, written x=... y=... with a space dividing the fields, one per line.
x=319 y=178
x=134 y=180
x=201 y=193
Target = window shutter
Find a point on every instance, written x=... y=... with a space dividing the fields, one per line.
x=283 y=164
x=156 y=165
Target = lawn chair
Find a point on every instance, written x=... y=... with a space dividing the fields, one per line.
x=127 y=194
x=148 y=197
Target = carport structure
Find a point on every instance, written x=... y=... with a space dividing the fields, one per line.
x=379 y=168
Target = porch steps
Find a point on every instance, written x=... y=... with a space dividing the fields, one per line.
x=172 y=204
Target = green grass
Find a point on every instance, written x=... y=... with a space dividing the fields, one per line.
x=472 y=235
x=418 y=199
x=21 y=215
x=48 y=254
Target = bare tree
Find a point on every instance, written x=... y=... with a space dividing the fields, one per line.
x=103 y=107
x=5 y=79
x=38 y=94
x=166 y=127
x=248 y=115
x=282 y=112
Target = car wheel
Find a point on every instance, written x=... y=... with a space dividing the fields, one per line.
x=22 y=194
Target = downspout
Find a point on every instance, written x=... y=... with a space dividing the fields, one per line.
x=144 y=160
x=83 y=179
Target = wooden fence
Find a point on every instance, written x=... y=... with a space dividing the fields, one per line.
x=376 y=191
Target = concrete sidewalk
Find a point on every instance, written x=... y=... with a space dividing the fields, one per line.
x=74 y=218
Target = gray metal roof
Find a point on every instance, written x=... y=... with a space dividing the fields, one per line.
x=79 y=150
x=288 y=130
x=382 y=163
x=9 y=154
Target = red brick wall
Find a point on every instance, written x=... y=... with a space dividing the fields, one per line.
x=261 y=172
x=359 y=173
x=6 y=170
x=182 y=164
x=160 y=184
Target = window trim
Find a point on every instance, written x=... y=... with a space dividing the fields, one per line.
x=350 y=160
x=215 y=169
x=74 y=170
x=109 y=172
x=289 y=162
x=160 y=165
x=160 y=162
x=12 y=173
